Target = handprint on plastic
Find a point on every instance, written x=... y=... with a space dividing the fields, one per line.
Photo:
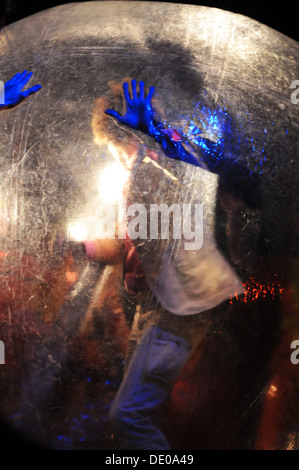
x=13 y=93
x=138 y=108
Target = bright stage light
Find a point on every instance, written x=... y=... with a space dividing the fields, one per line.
x=111 y=182
x=77 y=231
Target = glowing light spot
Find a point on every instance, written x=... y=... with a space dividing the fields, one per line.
x=77 y=231
x=272 y=391
x=111 y=182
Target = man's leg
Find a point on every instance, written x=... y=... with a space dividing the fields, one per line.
x=155 y=365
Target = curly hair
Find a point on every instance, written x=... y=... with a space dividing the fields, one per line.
x=106 y=129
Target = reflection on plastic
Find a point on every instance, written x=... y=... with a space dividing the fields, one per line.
x=222 y=85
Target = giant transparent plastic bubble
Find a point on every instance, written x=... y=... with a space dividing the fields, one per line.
x=64 y=313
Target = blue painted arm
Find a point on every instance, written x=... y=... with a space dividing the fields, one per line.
x=13 y=90
x=140 y=115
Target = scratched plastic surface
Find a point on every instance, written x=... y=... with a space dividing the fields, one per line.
x=218 y=75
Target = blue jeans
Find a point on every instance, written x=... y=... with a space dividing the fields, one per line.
x=158 y=359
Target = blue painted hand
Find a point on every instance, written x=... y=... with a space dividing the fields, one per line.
x=13 y=94
x=138 y=108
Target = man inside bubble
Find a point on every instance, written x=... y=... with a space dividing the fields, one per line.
x=178 y=290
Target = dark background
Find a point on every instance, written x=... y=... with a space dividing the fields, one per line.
x=276 y=14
